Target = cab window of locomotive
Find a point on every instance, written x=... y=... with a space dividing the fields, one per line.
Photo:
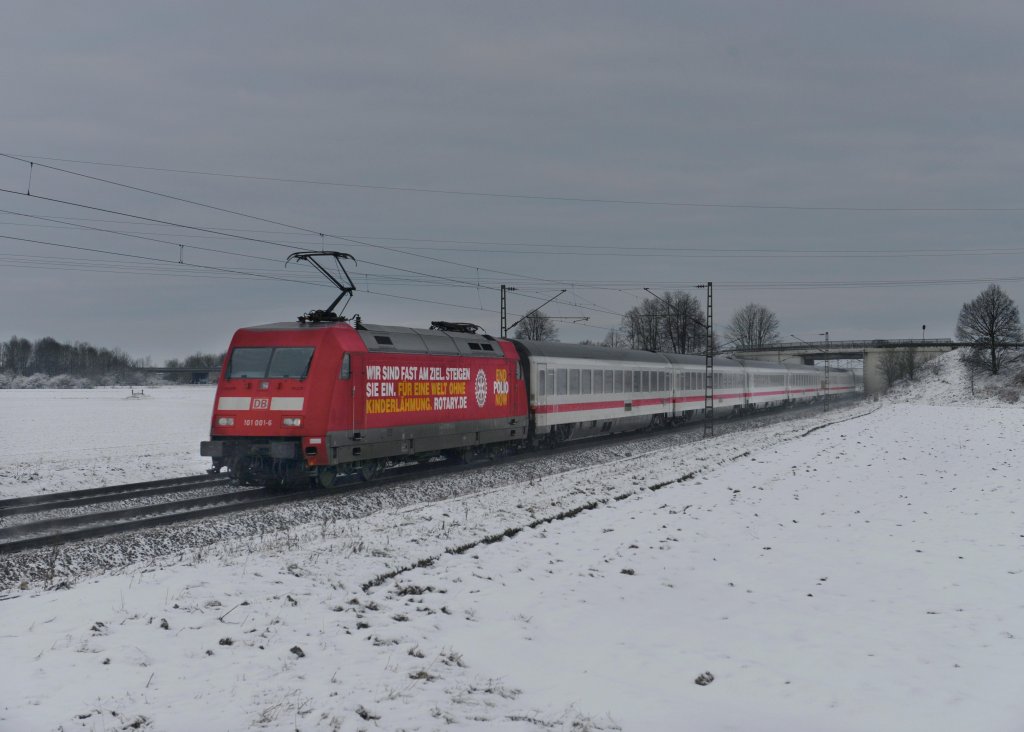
x=346 y=367
x=585 y=382
x=562 y=384
x=540 y=382
x=289 y=363
x=249 y=363
x=574 y=381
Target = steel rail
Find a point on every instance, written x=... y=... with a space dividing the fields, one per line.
x=66 y=499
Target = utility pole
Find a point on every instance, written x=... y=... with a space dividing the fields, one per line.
x=504 y=310
x=828 y=392
x=709 y=368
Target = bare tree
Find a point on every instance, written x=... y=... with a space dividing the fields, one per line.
x=685 y=325
x=989 y=322
x=891 y=366
x=16 y=353
x=640 y=325
x=673 y=322
x=899 y=363
x=911 y=362
x=615 y=339
x=536 y=327
x=753 y=326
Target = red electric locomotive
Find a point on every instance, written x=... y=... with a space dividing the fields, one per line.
x=324 y=398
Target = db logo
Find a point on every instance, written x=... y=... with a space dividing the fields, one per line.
x=261 y=404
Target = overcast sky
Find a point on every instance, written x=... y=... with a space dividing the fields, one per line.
x=752 y=144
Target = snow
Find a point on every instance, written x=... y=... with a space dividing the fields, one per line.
x=63 y=439
x=866 y=575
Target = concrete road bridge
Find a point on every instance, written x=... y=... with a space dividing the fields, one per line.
x=197 y=375
x=870 y=352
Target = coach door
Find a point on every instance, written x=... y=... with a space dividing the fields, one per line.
x=539 y=391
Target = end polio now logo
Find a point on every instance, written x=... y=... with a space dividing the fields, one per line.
x=480 y=388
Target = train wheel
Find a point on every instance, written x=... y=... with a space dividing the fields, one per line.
x=371 y=469
x=562 y=434
x=327 y=476
x=459 y=455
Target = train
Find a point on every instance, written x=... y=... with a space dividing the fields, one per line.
x=325 y=399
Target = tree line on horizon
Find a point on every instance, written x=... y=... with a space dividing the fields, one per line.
x=46 y=362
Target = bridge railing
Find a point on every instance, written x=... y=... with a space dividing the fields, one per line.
x=853 y=345
x=847 y=346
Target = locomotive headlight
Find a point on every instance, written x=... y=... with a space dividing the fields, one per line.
x=225 y=421
x=292 y=421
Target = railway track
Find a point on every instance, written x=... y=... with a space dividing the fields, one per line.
x=107 y=494
x=40 y=528
x=39 y=531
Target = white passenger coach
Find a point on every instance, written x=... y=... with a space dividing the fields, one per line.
x=578 y=391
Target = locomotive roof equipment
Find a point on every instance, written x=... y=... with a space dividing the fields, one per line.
x=327 y=315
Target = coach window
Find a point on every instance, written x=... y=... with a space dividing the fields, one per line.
x=618 y=382
x=540 y=382
x=562 y=382
x=586 y=382
x=574 y=381
x=636 y=383
x=551 y=382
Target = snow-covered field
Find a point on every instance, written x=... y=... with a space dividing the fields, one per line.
x=868 y=575
x=62 y=439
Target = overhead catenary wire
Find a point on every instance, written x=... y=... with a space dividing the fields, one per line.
x=584 y=250
x=539 y=197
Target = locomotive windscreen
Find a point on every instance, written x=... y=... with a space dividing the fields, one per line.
x=270 y=363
